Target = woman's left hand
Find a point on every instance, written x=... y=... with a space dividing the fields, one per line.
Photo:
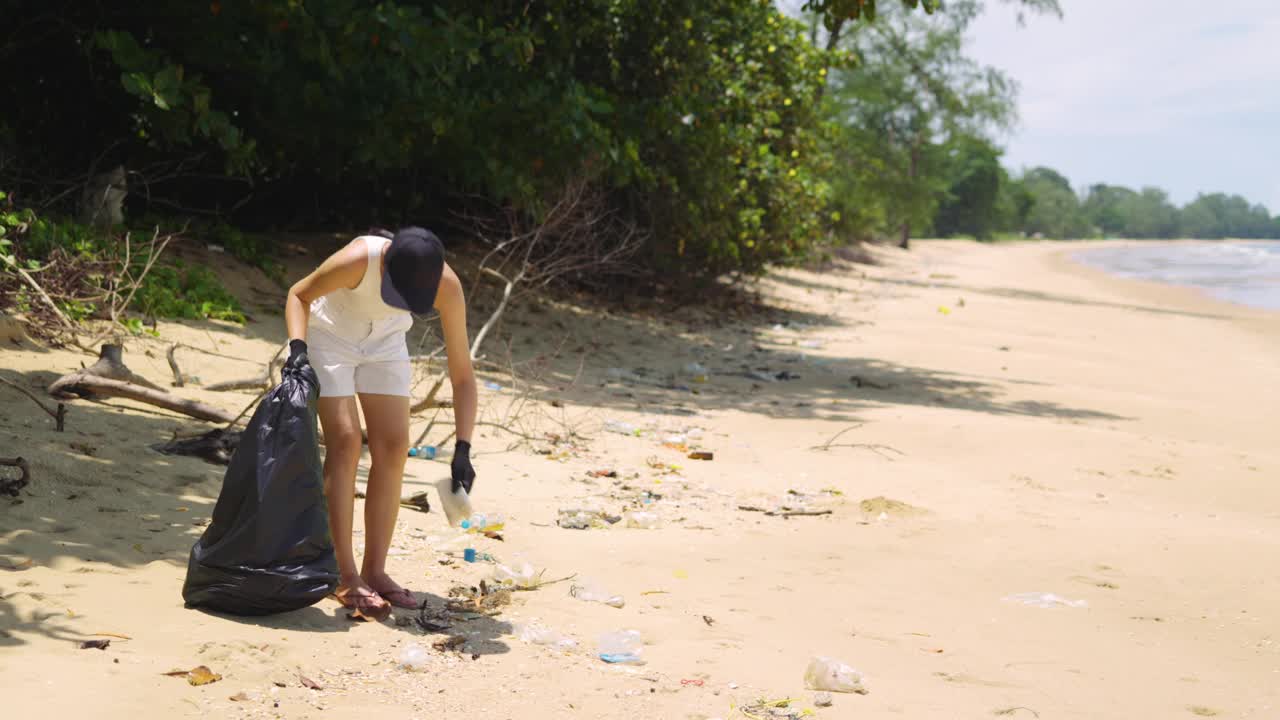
x=463 y=474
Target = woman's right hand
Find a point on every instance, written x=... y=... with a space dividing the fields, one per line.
x=298 y=355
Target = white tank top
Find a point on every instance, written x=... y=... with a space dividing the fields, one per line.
x=359 y=316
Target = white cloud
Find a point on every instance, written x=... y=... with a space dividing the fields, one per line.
x=1146 y=92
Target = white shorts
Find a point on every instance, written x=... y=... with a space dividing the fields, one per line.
x=380 y=367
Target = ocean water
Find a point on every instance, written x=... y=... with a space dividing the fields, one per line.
x=1247 y=273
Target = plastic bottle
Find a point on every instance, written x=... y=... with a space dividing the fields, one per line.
x=536 y=633
x=593 y=592
x=414 y=658
x=621 y=427
x=481 y=523
x=520 y=574
x=623 y=646
x=457 y=506
x=825 y=673
x=642 y=519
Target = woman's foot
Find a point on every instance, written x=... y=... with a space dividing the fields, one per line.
x=355 y=594
x=391 y=591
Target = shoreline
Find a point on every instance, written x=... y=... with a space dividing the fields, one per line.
x=1021 y=423
x=1202 y=291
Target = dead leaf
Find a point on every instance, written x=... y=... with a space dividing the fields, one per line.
x=452 y=642
x=493 y=535
x=277 y=683
x=199 y=675
x=202 y=675
x=702 y=455
x=239 y=697
x=308 y=682
x=94 y=644
x=708 y=620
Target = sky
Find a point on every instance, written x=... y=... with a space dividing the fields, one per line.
x=1183 y=95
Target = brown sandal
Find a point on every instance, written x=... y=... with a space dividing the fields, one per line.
x=371 y=605
x=401 y=598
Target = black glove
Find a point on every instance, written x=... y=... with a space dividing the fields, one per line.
x=463 y=473
x=297 y=355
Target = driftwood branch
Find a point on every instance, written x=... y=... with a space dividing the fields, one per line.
x=12 y=486
x=173 y=365
x=497 y=313
x=59 y=416
x=111 y=365
x=26 y=277
x=82 y=383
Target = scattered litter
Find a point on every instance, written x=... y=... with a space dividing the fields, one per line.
x=1046 y=600
x=590 y=591
x=584 y=518
x=490 y=385
x=309 y=683
x=419 y=501
x=824 y=673
x=695 y=369
x=779 y=709
x=697 y=682
x=642 y=520
x=239 y=697
x=603 y=473
x=484 y=600
x=94 y=644
x=621 y=427
x=414 y=658
x=521 y=575
x=469 y=555
x=536 y=633
x=199 y=675
x=822 y=699
x=702 y=455
x=944 y=309
x=453 y=642
x=621 y=647
x=456 y=504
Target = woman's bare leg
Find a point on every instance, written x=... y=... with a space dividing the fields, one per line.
x=342 y=442
x=388 y=419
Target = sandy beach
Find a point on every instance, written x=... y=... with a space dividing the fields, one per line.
x=981 y=421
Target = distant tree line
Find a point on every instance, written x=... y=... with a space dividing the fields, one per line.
x=983 y=200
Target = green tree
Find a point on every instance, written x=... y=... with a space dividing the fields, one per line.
x=1055 y=209
x=914 y=90
x=971 y=205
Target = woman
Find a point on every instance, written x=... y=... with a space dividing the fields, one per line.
x=355 y=310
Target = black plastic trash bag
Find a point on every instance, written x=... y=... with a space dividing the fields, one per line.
x=268 y=549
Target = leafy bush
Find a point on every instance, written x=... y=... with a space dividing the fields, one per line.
x=697 y=117
x=74 y=262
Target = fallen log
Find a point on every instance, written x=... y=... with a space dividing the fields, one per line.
x=111 y=365
x=82 y=384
